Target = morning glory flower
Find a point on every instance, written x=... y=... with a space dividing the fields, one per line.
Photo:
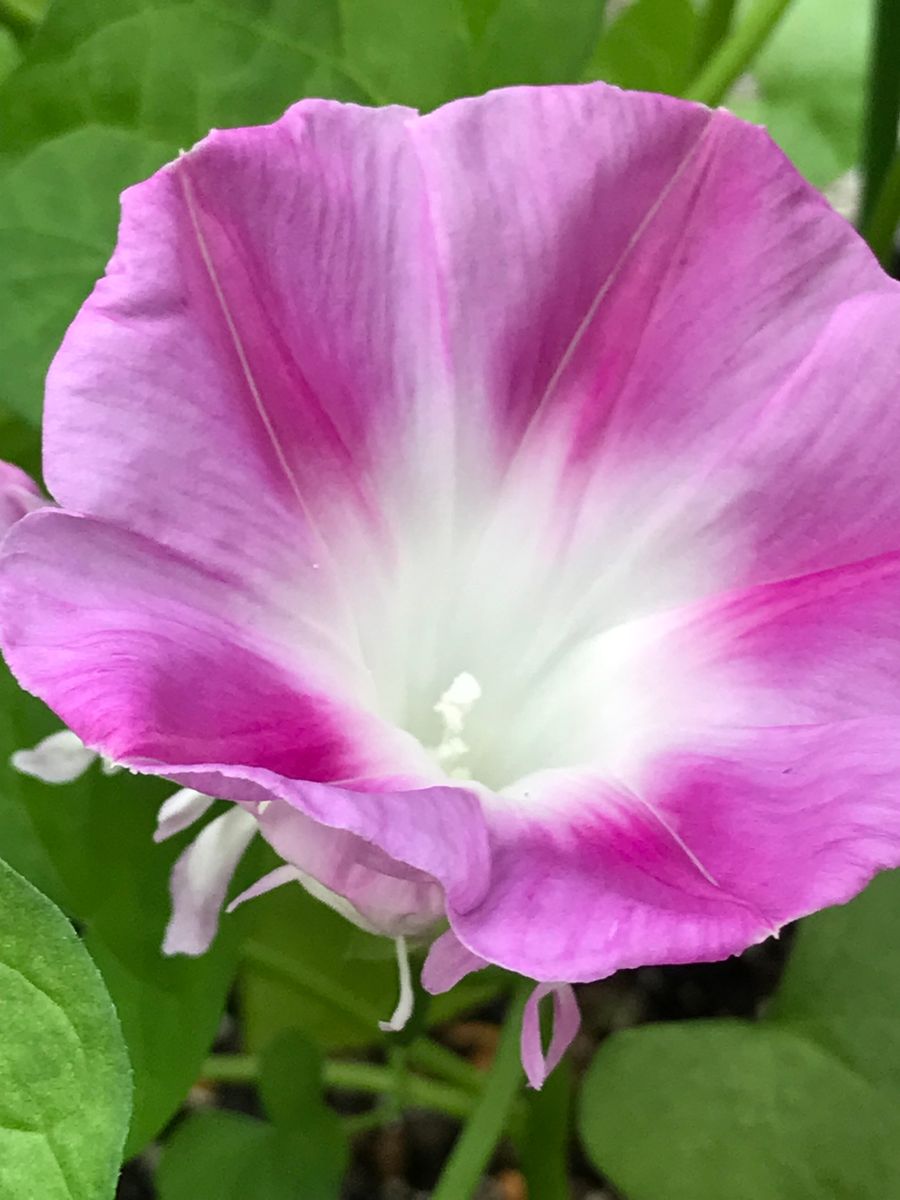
x=499 y=508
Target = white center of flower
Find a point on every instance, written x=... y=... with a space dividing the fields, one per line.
x=453 y=708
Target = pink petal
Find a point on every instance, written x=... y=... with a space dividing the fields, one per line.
x=200 y=879
x=19 y=494
x=759 y=787
x=365 y=884
x=566 y=1022
x=270 y=315
x=162 y=665
x=682 y=346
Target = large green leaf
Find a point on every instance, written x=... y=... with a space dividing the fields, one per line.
x=66 y=1092
x=90 y=843
x=303 y=1152
x=531 y=41
x=799 y=1106
x=723 y=1108
x=650 y=45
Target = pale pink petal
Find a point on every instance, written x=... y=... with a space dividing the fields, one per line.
x=374 y=890
x=200 y=879
x=566 y=1022
x=179 y=812
x=269 y=882
x=60 y=758
x=19 y=494
x=447 y=963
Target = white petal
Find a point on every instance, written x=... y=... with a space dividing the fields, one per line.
x=200 y=879
x=274 y=879
x=181 y=809
x=59 y=758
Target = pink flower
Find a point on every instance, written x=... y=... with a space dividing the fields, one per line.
x=499 y=506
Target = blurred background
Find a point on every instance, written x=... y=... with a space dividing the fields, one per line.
x=259 y=1071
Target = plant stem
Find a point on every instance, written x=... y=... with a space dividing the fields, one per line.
x=230 y=1068
x=735 y=54
x=544 y=1144
x=435 y=1059
x=883 y=104
x=352 y=1077
x=880 y=231
x=490 y=1113
x=713 y=26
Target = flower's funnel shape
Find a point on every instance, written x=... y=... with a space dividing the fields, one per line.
x=501 y=507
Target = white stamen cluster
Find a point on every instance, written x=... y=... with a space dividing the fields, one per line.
x=453 y=708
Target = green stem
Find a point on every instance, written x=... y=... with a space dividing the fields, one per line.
x=735 y=54
x=883 y=104
x=352 y=1077
x=375 y=1118
x=880 y=231
x=230 y=1068
x=489 y=1116
x=435 y=1059
x=544 y=1144
x=713 y=27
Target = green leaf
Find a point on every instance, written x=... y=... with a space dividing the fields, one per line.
x=531 y=41
x=809 y=80
x=842 y=985
x=799 y=1106
x=722 y=1108
x=309 y=1138
x=211 y=1156
x=91 y=843
x=649 y=46
x=220 y=1156
x=415 y=54
x=66 y=1082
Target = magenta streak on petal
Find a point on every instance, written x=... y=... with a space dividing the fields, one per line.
x=566 y=1020
x=253 y=314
